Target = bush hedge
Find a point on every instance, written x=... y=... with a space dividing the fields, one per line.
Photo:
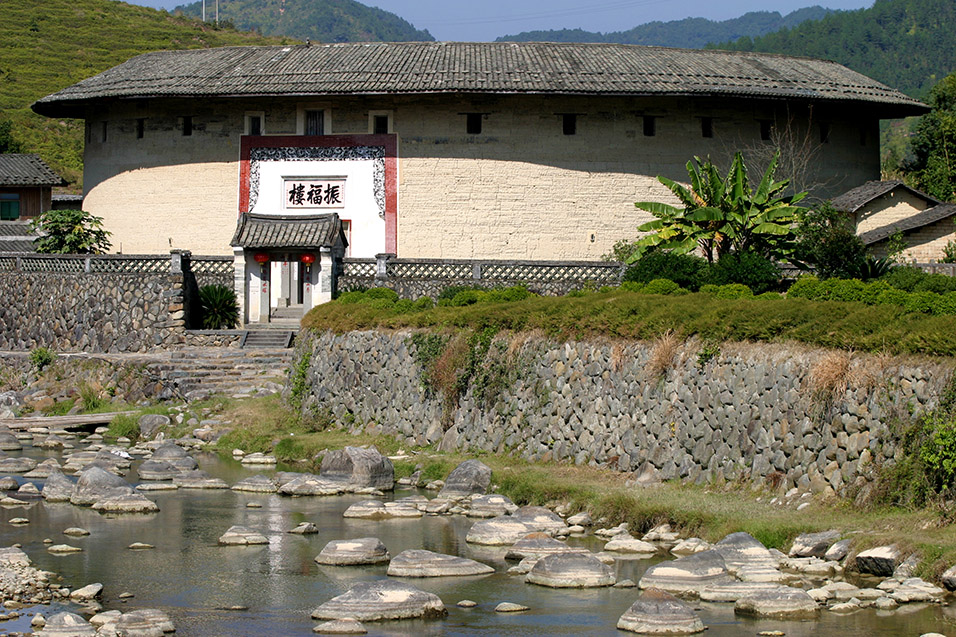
x=880 y=292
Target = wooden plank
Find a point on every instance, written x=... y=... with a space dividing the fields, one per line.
x=63 y=421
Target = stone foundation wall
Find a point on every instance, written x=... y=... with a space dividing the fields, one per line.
x=795 y=416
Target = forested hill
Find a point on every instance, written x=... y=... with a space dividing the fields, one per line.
x=906 y=44
x=690 y=33
x=46 y=46
x=317 y=20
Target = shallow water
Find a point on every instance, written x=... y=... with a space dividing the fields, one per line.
x=192 y=578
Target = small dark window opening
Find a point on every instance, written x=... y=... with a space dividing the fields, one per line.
x=187 y=125
x=824 y=133
x=89 y=132
x=650 y=126
x=862 y=136
x=315 y=122
x=706 y=126
x=9 y=206
x=255 y=125
x=473 y=123
x=569 y=124
x=380 y=124
x=766 y=128
x=102 y=131
x=140 y=128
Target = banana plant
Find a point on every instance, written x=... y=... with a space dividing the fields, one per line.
x=722 y=214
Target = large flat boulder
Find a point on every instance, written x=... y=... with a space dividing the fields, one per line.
x=241 y=536
x=95 y=484
x=126 y=503
x=540 y=519
x=143 y=622
x=360 y=551
x=309 y=484
x=381 y=600
x=198 y=479
x=471 y=476
x=422 y=563
x=782 y=602
x=66 y=625
x=743 y=551
x=813 y=544
x=359 y=468
x=256 y=484
x=157 y=470
x=657 y=612
x=687 y=575
x=537 y=545
x=571 y=570
x=57 y=487
x=881 y=560
x=501 y=531
x=490 y=506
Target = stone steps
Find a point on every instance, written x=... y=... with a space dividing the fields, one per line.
x=192 y=372
x=267 y=339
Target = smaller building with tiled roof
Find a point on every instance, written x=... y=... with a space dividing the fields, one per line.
x=881 y=209
x=26 y=186
x=16 y=236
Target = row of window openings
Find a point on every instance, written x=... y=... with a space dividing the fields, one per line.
x=315 y=125
x=9 y=206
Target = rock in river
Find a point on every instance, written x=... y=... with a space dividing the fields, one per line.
x=241 y=536
x=688 y=574
x=359 y=468
x=537 y=545
x=198 y=479
x=502 y=530
x=657 y=612
x=363 y=550
x=256 y=484
x=471 y=476
x=157 y=470
x=381 y=600
x=66 y=625
x=57 y=488
x=813 y=544
x=571 y=570
x=422 y=563
x=489 y=506
x=539 y=519
x=742 y=550
x=126 y=503
x=340 y=627
x=95 y=484
x=881 y=560
x=625 y=543
x=781 y=602
x=309 y=484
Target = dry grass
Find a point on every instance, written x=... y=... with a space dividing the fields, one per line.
x=830 y=374
x=663 y=352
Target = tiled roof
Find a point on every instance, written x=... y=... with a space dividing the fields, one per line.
x=16 y=236
x=854 y=199
x=923 y=218
x=300 y=231
x=27 y=170
x=467 y=67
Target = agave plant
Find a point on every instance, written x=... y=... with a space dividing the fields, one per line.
x=722 y=215
x=219 y=307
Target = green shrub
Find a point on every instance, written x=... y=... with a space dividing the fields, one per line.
x=661 y=286
x=686 y=270
x=845 y=289
x=905 y=277
x=770 y=296
x=449 y=293
x=219 y=307
x=827 y=240
x=355 y=296
x=871 y=293
x=424 y=303
x=756 y=272
x=467 y=297
x=873 y=268
x=938 y=283
x=945 y=304
x=633 y=286
x=892 y=296
x=382 y=293
x=41 y=357
x=733 y=291
x=404 y=306
x=805 y=287
x=923 y=302
x=514 y=293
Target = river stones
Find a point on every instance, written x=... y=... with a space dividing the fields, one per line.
x=690 y=546
x=258 y=458
x=75 y=531
x=304 y=528
x=44 y=469
x=363 y=550
x=570 y=570
x=489 y=506
x=500 y=531
x=732 y=591
x=64 y=549
x=256 y=484
x=381 y=600
x=838 y=551
x=657 y=612
x=540 y=519
x=144 y=622
x=157 y=470
x=625 y=543
x=341 y=627
x=471 y=476
x=537 y=545
x=511 y=607
x=813 y=544
x=742 y=550
x=51 y=442
x=9 y=483
x=781 y=602
x=422 y=563
x=57 y=488
x=66 y=625
x=150 y=424
x=126 y=503
x=359 y=468
x=88 y=592
x=241 y=536
x=881 y=560
x=687 y=574
x=95 y=484
x=198 y=479
x=17 y=465
x=9 y=442
x=948 y=578
x=308 y=484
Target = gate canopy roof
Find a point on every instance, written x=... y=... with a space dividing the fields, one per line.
x=308 y=232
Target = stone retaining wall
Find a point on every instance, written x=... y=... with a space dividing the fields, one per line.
x=795 y=416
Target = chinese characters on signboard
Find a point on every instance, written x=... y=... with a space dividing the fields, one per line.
x=303 y=194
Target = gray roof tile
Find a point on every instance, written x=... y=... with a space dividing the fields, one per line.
x=484 y=67
x=279 y=231
x=854 y=199
x=27 y=170
x=919 y=220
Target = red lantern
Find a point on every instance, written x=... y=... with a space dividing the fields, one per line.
x=261 y=257
x=307 y=259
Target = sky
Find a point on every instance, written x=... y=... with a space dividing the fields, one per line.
x=486 y=20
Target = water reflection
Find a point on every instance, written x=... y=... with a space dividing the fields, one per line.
x=193 y=579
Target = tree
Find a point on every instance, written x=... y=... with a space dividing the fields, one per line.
x=70 y=232
x=723 y=215
x=827 y=240
x=7 y=143
x=933 y=166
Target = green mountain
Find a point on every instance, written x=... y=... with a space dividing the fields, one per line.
x=46 y=46
x=906 y=44
x=316 y=20
x=689 y=33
